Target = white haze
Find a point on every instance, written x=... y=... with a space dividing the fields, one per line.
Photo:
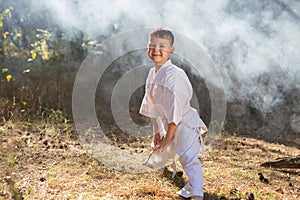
x=245 y=38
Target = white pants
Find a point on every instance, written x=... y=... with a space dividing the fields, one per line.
x=192 y=167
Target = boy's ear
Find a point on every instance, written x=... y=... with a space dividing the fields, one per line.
x=172 y=50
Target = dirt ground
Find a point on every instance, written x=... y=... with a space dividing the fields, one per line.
x=41 y=161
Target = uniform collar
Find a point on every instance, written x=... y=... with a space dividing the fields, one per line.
x=164 y=65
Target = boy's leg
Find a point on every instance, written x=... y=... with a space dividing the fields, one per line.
x=192 y=167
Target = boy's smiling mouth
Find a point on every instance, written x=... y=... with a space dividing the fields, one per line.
x=156 y=55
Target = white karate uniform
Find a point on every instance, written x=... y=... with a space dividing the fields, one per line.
x=167 y=99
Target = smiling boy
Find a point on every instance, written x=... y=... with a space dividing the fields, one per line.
x=176 y=125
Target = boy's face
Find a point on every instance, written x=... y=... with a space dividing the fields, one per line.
x=159 y=50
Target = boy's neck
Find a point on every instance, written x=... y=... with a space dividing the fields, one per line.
x=157 y=67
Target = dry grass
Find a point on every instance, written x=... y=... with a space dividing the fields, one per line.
x=231 y=170
x=42 y=162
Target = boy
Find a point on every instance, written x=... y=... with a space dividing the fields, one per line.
x=176 y=125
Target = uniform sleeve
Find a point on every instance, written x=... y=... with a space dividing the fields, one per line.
x=171 y=104
x=147 y=108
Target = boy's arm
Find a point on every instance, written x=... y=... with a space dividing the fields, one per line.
x=166 y=140
x=156 y=135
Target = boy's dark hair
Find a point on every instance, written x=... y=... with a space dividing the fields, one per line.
x=163 y=33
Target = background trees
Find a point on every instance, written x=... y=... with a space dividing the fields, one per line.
x=42 y=47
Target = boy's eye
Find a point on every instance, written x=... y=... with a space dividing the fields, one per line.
x=159 y=47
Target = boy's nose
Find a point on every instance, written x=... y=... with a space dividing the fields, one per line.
x=156 y=49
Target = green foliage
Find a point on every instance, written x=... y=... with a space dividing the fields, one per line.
x=40 y=47
x=5 y=14
x=37 y=64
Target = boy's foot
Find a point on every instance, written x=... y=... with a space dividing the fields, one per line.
x=192 y=198
x=196 y=198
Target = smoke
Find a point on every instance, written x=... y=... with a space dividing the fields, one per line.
x=254 y=44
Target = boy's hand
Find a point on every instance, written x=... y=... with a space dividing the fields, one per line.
x=156 y=139
x=161 y=144
x=166 y=140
